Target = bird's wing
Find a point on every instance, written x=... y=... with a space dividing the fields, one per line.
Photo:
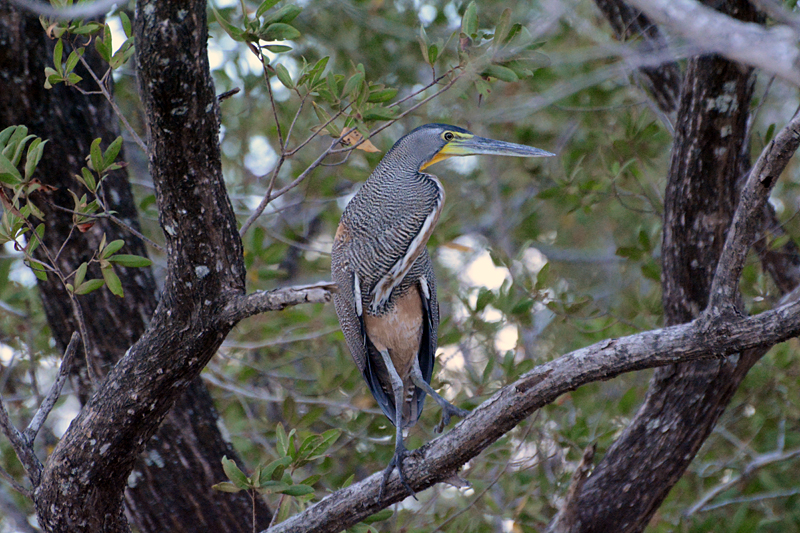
x=416 y=244
x=430 y=328
x=348 y=307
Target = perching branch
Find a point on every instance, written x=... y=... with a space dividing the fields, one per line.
x=441 y=458
x=772 y=49
x=258 y=302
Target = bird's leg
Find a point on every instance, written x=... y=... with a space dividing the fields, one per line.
x=399 y=448
x=448 y=409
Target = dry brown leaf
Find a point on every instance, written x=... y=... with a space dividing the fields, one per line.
x=354 y=137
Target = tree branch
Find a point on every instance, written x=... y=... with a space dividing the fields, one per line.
x=29 y=435
x=24 y=452
x=763 y=176
x=16 y=485
x=773 y=49
x=241 y=307
x=441 y=458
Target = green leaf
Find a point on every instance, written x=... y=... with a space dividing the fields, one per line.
x=296 y=490
x=225 y=486
x=88 y=286
x=112 y=152
x=126 y=24
x=270 y=487
x=328 y=439
x=264 y=7
x=279 y=31
x=543 y=277
x=111 y=248
x=433 y=54
x=284 y=76
x=503 y=27
x=35 y=238
x=282 y=443
x=353 y=84
x=235 y=33
x=485 y=297
x=6 y=134
x=39 y=272
x=380 y=113
x=73 y=79
x=277 y=48
x=112 y=281
x=72 y=60
x=383 y=95
x=131 y=261
x=501 y=73
x=423 y=44
x=17 y=146
x=80 y=274
x=8 y=172
x=58 y=53
x=311 y=480
x=285 y=14
x=88 y=179
x=469 y=22
x=274 y=470
x=96 y=156
x=237 y=477
x=34 y=156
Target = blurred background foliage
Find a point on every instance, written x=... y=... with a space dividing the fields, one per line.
x=534 y=258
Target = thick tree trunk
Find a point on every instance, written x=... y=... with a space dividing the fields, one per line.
x=684 y=401
x=170 y=486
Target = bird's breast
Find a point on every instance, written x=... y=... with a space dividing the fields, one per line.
x=399 y=330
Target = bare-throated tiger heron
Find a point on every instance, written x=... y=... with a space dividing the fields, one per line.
x=386 y=301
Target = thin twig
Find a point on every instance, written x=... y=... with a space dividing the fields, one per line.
x=24 y=452
x=272 y=398
x=16 y=485
x=138 y=140
x=294 y=120
x=257 y=51
x=29 y=435
x=759 y=461
x=269 y=197
x=115 y=220
x=78 y=311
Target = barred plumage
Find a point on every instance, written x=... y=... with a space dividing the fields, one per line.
x=386 y=301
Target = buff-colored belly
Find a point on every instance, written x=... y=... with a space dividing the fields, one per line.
x=399 y=331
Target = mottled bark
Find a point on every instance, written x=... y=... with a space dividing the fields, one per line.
x=187 y=449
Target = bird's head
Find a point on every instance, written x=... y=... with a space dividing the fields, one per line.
x=432 y=143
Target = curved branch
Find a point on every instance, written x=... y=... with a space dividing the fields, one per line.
x=441 y=458
x=763 y=176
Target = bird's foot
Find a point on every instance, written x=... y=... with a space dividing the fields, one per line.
x=449 y=410
x=397 y=462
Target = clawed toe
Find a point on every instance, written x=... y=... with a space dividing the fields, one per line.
x=448 y=411
x=396 y=462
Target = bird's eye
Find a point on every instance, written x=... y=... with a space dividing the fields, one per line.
x=448 y=136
